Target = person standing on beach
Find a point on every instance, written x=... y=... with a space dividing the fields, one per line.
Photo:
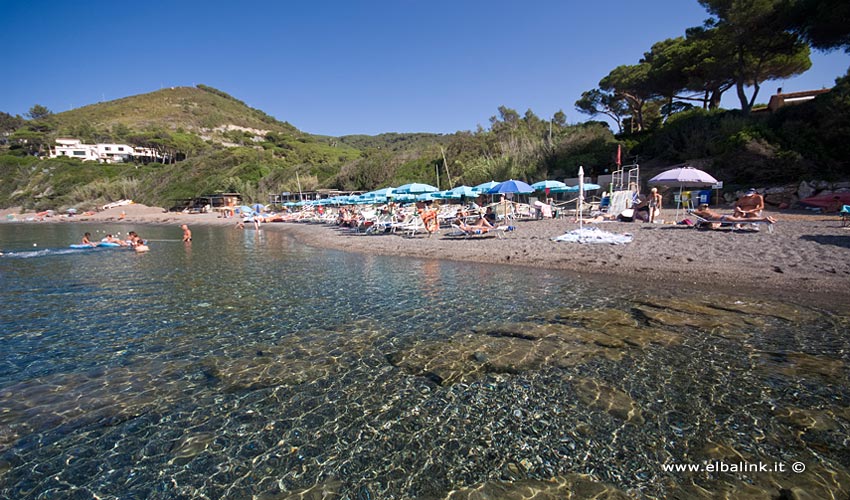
x=187 y=234
x=654 y=204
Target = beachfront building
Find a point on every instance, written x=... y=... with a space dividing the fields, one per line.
x=103 y=153
x=781 y=99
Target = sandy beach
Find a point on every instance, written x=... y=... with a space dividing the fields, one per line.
x=806 y=256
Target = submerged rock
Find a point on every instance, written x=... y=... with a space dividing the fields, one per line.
x=798 y=364
x=615 y=402
x=566 y=339
x=727 y=317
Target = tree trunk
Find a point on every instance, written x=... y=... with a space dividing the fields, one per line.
x=742 y=96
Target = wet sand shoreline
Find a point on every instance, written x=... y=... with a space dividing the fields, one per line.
x=806 y=258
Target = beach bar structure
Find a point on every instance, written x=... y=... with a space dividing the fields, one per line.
x=209 y=202
x=319 y=194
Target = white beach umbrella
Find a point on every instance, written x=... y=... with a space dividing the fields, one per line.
x=683 y=176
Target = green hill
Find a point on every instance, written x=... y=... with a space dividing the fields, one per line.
x=203 y=110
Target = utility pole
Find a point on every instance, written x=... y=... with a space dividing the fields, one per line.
x=446 y=165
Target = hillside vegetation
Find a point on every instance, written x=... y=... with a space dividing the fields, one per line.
x=224 y=145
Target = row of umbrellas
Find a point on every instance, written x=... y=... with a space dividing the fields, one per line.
x=425 y=192
x=683 y=177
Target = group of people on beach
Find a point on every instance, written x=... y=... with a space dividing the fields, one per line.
x=748 y=209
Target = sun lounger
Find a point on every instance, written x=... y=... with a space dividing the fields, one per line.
x=703 y=223
x=478 y=231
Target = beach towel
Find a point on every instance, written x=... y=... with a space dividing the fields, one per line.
x=594 y=235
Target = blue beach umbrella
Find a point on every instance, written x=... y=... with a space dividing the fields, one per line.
x=245 y=209
x=485 y=187
x=416 y=188
x=511 y=186
x=575 y=189
x=386 y=192
x=258 y=207
x=463 y=191
x=426 y=197
x=547 y=184
x=404 y=198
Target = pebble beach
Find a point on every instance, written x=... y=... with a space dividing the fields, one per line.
x=807 y=256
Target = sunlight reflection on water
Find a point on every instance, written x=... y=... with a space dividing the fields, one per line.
x=247 y=364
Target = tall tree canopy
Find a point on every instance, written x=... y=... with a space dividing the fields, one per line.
x=824 y=23
x=38 y=112
x=632 y=83
x=750 y=36
x=596 y=102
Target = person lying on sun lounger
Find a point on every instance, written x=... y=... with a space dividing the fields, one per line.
x=715 y=219
x=482 y=224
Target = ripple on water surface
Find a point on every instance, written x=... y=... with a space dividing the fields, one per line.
x=248 y=365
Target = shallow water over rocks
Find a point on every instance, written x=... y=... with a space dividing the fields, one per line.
x=249 y=366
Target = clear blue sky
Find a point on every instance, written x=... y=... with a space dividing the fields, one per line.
x=345 y=67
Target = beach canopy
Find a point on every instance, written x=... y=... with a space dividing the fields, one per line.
x=548 y=184
x=575 y=189
x=385 y=192
x=511 y=186
x=458 y=192
x=426 y=197
x=485 y=187
x=416 y=188
x=684 y=177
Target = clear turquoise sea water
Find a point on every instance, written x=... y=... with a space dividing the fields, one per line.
x=247 y=364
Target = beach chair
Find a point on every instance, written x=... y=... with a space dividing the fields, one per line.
x=471 y=232
x=479 y=231
x=703 y=223
x=410 y=227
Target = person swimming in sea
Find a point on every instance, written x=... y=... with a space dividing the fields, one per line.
x=87 y=240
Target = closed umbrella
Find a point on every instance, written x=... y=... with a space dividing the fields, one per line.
x=580 y=201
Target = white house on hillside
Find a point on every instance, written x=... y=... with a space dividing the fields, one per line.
x=103 y=153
